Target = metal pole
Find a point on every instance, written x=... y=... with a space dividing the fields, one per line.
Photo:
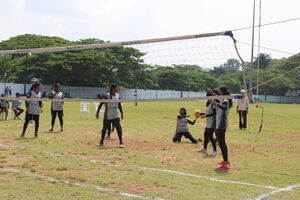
x=252 y=52
x=181 y=84
x=258 y=57
x=5 y=91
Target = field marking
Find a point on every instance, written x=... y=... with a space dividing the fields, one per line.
x=173 y=172
x=210 y=179
x=7 y=146
x=54 y=180
x=286 y=189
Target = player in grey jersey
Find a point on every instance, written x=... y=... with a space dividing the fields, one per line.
x=222 y=125
x=16 y=106
x=33 y=108
x=113 y=114
x=57 y=107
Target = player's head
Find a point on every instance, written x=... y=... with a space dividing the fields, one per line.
x=216 y=91
x=182 y=111
x=57 y=87
x=113 y=89
x=209 y=92
x=243 y=92
x=18 y=94
x=225 y=91
x=37 y=86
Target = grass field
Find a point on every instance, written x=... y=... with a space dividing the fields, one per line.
x=68 y=165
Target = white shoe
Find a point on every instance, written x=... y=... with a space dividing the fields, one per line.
x=203 y=151
x=121 y=146
x=214 y=154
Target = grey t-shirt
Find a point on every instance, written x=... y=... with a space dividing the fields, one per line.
x=222 y=115
x=57 y=105
x=113 y=110
x=182 y=125
x=211 y=120
x=16 y=103
x=34 y=106
x=3 y=104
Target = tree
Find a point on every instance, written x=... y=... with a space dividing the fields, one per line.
x=264 y=60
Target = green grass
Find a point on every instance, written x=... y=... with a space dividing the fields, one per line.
x=148 y=130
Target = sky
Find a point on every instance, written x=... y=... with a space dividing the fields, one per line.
x=122 y=20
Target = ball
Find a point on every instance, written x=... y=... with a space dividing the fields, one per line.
x=197 y=113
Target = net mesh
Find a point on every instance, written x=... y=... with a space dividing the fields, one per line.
x=204 y=52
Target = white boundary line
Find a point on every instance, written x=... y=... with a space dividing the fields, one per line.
x=286 y=189
x=54 y=180
x=261 y=197
x=210 y=179
x=174 y=172
x=180 y=173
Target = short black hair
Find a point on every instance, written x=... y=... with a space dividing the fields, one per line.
x=57 y=85
x=182 y=109
x=112 y=86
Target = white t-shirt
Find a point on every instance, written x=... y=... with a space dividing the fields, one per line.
x=57 y=105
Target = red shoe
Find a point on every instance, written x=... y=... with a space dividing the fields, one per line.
x=224 y=163
x=222 y=168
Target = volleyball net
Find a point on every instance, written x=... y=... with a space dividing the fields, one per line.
x=202 y=51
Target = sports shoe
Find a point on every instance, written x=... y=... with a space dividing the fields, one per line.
x=214 y=154
x=61 y=130
x=36 y=135
x=121 y=146
x=203 y=151
x=51 y=130
x=21 y=136
x=224 y=163
x=222 y=168
x=99 y=144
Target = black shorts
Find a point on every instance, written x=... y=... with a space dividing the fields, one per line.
x=58 y=112
x=33 y=117
x=3 y=109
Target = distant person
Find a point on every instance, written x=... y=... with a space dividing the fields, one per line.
x=6 y=91
x=210 y=116
x=222 y=125
x=9 y=90
x=16 y=106
x=182 y=128
x=4 y=106
x=242 y=109
x=57 y=107
x=135 y=97
x=114 y=114
x=33 y=108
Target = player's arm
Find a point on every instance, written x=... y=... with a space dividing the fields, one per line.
x=98 y=109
